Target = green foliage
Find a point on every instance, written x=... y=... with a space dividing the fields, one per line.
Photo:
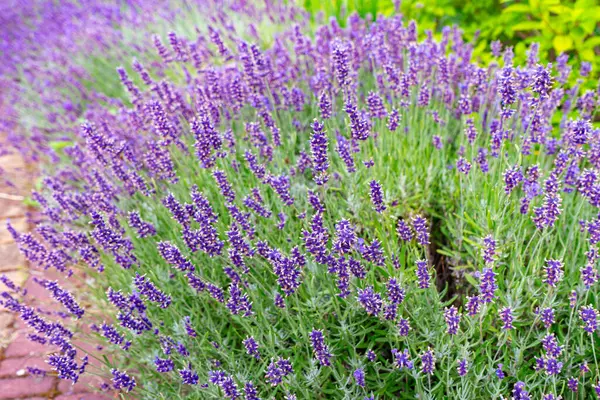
x=558 y=26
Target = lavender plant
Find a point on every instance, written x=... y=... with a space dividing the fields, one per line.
x=327 y=213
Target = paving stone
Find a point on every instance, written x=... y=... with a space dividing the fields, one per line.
x=83 y=396
x=6 y=319
x=18 y=277
x=22 y=387
x=10 y=208
x=15 y=367
x=86 y=383
x=10 y=257
x=20 y=224
x=23 y=347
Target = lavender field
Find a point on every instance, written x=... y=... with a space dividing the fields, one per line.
x=263 y=200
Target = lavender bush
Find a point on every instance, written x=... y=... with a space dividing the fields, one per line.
x=326 y=213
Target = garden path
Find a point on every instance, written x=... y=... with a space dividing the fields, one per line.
x=16 y=351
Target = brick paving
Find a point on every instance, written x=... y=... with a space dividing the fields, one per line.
x=16 y=352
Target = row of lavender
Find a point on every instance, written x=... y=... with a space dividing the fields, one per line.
x=268 y=221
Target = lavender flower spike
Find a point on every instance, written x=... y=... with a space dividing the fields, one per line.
x=377 y=196
x=420 y=227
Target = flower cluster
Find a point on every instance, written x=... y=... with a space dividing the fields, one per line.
x=220 y=225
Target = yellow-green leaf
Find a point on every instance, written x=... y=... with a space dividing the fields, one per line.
x=560 y=10
x=527 y=26
x=562 y=43
x=517 y=8
x=592 y=42
x=587 y=55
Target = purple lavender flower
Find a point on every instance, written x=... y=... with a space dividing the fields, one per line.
x=147 y=288
x=547 y=317
x=470 y=130
x=403 y=327
x=281 y=185
x=122 y=381
x=278 y=370
x=288 y=274
x=257 y=169
x=374 y=253
x=546 y=216
x=279 y=301
x=345 y=152
x=428 y=362
x=597 y=389
x=173 y=256
x=393 y=120
x=162 y=50
x=404 y=231
x=356 y=268
x=215 y=292
x=550 y=345
x=188 y=327
x=238 y=302
x=377 y=196
x=512 y=177
x=252 y=347
x=325 y=105
x=496 y=47
x=488 y=285
x=506 y=316
x=482 y=161
x=402 y=359
x=370 y=300
x=36 y=371
x=585 y=69
x=499 y=373
x=452 y=318
x=282 y=220
x=489 y=249
x=552 y=366
x=250 y=391
x=111 y=334
x=589 y=316
x=318 y=145
x=230 y=389
x=359 y=376
x=589 y=275
x=64 y=297
x=163 y=364
x=573 y=299
x=519 y=392
x=395 y=292
x=188 y=376
x=542 y=81
x=345 y=238
x=507 y=90
x=423 y=274
x=554 y=272
x=224 y=185
x=463 y=367
x=371 y=356
x=376 y=107
x=473 y=305
x=572 y=384
x=463 y=166
x=143 y=228
x=315 y=202
x=340 y=53
x=420 y=227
